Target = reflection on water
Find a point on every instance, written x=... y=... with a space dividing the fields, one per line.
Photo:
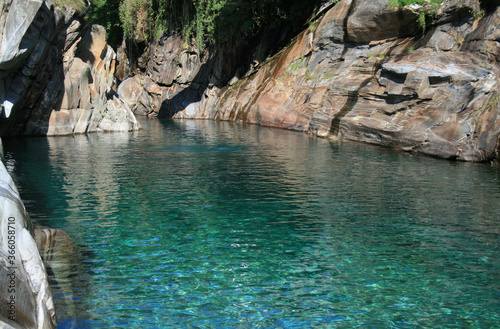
x=220 y=225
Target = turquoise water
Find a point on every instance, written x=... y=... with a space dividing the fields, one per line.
x=195 y=224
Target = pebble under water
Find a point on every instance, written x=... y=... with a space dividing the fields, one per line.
x=200 y=224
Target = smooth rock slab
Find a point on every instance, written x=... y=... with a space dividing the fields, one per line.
x=20 y=33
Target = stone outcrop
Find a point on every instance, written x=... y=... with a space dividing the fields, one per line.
x=56 y=73
x=365 y=71
x=25 y=297
x=56 y=78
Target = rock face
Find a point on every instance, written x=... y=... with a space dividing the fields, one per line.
x=56 y=78
x=25 y=297
x=366 y=72
x=56 y=73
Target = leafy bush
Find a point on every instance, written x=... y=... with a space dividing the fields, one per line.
x=424 y=14
x=78 y=5
x=106 y=13
x=209 y=21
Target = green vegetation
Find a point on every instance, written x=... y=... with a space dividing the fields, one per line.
x=78 y=5
x=426 y=13
x=479 y=14
x=312 y=26
x=402 y=3
x=328 y=75
x=380 y=56
x=4 y=7
x=135 y=17
x=295 y=65
x=202 y=22
x=493 y=102
x=106 y=13
x=310 y=76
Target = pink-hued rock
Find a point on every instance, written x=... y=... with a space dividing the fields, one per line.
x=364 y=73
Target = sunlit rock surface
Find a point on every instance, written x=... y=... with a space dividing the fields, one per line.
x=364 y=71
x=25 y=297
x=56 y=73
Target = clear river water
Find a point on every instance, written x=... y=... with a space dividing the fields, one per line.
x=200 y=224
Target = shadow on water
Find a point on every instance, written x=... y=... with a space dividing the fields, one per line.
x=27 y=179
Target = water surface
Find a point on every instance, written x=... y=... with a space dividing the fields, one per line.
x=195 y=224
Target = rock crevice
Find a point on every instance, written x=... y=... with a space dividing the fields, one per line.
x=57 y=74
x=365 y=72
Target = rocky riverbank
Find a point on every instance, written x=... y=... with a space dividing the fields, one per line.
x=421 y=78
x=362 y=71
x=25 y=294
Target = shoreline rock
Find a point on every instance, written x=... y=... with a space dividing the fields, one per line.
x=24 y=290
x=363 y=73
x=57 y=74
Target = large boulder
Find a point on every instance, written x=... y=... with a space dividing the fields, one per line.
x=376 y=20
x=22 y=29
x=434 y=103
x=26 y=30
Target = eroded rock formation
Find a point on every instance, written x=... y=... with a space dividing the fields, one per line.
x=56 y=73
x=56 y=78
x=364 y=71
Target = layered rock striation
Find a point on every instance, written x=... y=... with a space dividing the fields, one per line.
x=56 y=73
x=56 y=78
x=417 y=78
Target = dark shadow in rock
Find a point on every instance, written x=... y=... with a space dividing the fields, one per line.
x=230 y=61
x=35 y=88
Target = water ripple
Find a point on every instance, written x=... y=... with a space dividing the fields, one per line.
x=219 y=225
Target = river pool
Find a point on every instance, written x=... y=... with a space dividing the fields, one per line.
x=200 y=224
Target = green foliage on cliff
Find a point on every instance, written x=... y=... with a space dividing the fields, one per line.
x=207 y=22
x=135 y=16
x=402 y=3
x=425 y=14
x=78 y=5
x=106 y=13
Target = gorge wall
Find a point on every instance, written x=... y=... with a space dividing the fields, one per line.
x=56 y=73
x=421 y=78
x=56 y=78
x=25 y=296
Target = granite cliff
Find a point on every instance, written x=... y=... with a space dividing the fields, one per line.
x=421 y=78
x=56 y=78
x=25 y=296
x=56 y=73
